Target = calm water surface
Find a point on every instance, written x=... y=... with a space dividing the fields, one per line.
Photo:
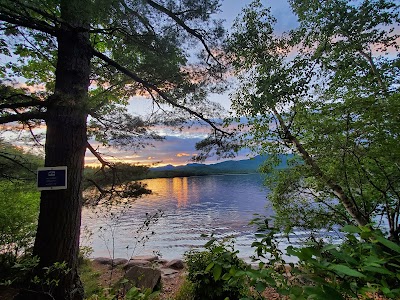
x=191 y=206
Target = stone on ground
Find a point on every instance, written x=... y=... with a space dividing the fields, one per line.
x=176 y=264
x=144 y=277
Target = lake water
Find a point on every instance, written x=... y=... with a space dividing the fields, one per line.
x=191 y=206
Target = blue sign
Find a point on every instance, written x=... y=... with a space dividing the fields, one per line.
x=52 y=178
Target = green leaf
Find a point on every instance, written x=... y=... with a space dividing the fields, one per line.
x=296 y=290
x=380 y=270
x=389 y=244
x=210 y=266
x=331 y=294
x=240 y=273
x=260 y=286
x=329 y=247
x=351 y=229
x=209 y=243
x=346 y=270
x=217 y=272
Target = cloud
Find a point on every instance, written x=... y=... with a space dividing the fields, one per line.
x=183 y=155
x=174 y=150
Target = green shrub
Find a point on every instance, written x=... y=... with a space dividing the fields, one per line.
x=186 y=291
x=90 y=278
x=19 y=205
x=366 y=263
x=211 y=272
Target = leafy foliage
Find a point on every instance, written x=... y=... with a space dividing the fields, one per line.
x=211 y=272
x=19 y=206
x=147 y=47
x=17 y=164
x=329 y=91
x=363 y=265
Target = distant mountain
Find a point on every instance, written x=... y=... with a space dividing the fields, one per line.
x=227 y=167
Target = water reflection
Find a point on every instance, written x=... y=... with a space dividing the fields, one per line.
x=223 y=205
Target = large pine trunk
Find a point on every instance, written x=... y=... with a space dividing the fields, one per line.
x=57 y=238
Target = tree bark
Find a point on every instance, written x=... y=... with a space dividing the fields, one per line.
x=347 y=203
x=57 y=238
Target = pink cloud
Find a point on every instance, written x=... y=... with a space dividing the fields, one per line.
x=183 y=154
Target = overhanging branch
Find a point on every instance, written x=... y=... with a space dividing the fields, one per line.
x=18 y=13
x=17 y=20
x=22 y=104
x=23 y=117
x=181 y=23
x=148 y=85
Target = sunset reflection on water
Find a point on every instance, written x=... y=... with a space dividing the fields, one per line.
x=178 y=188
x=192 y=206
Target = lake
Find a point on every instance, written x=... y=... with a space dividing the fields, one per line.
x=191 y=206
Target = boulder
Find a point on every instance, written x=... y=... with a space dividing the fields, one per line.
x=144 y=277
x=109 y=261
x=137 y=262
x=176 y=264
x=162 y=261
x=145 y=257
x=119 y=261
x=103 y=260
x=167 y=272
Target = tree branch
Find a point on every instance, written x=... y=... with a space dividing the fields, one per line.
x=21 y=104
x=334 y=186
x=148 y=85
x=181 y=23
x=142 y=19
x=28 y=23
x=15 y=161
x=23 y=117
x=375 y=71
x=98 y=156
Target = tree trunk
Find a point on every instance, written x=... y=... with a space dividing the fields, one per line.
x=57 y=238
x=347 y=203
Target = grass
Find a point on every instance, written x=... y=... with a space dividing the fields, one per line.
x=90 y=279
x=185 y=292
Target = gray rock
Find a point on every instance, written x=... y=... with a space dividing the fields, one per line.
x=168 y=272
x=162 y=261
x=176 y=264
x=109 y=261
x=137 y=262
x=144 y=277
x=103 y=260
x=119 y=261
x=145 y=257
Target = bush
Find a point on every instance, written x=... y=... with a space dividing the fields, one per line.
x=211 y=272
x=366 y=263
x=19 y=205
x=186 y=291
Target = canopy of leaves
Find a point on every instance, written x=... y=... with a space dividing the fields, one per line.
x=328 y=90
x=140 y=48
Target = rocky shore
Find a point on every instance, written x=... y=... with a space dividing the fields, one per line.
x=143 y=272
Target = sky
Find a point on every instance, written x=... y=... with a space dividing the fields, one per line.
x=178 y=147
